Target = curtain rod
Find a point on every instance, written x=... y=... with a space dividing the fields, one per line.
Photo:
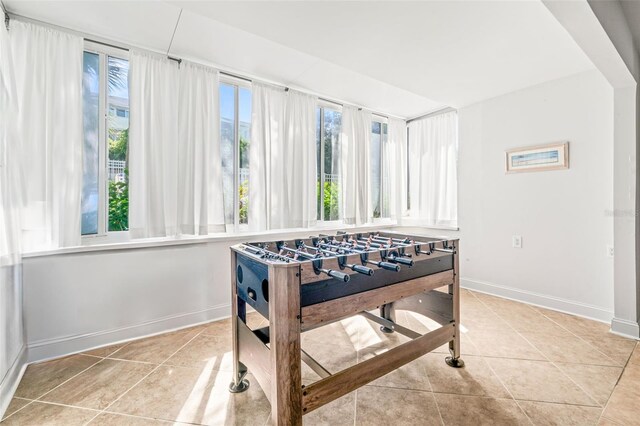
x=431 y=114
x=127 y=48
x=102 y=43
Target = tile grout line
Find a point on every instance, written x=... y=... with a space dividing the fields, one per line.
x=541 y=353
x=39 y=399
x=510 y=398
x=604 y=408
x=97 y=410
x=426 y=373
x=570 y=332
x=143 y=378
x=19 y=409
x=355 y=407
x=491 y=368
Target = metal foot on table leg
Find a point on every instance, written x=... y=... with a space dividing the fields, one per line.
x=454 y=362
x=386 y=330
x=239 y=384
x=242 y=386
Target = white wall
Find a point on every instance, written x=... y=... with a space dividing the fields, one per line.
x=603 y=33
x=12 y=340
x=564 y=217
x=81 y=300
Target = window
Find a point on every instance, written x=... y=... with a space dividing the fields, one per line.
x=379 y=200
x=235 y=134
x=105 y=192
x=328 y=124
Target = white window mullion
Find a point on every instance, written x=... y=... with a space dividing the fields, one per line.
x=322 y=155
x=103 y=149
x=236 y=161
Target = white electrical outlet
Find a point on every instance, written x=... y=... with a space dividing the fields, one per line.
x=609 y=251
x=516 y=241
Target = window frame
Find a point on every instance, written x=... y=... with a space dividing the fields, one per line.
x=384 y=123
x=237 y=83
x=103 y=52
x=322 y=104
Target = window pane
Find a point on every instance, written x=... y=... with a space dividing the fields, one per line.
x=118 y=140
x=244 y=136
x=227 y=146
x=91 y=156
x=386 y=211
x=331 y=138
x=375 y=158
x=319 y=190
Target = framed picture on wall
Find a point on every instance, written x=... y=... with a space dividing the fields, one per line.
x=554 y=156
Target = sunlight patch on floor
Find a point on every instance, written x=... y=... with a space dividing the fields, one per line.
x=190 y=409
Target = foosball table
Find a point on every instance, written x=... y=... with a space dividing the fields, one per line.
x=302 y=284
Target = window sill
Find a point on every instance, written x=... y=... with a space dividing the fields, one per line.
x=408 y=221
x=99 y=243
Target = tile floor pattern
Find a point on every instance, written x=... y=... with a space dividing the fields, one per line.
x=524 y=365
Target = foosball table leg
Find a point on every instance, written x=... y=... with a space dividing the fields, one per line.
x=238 y=313
x=387 y=312
x=285 y=351
x=239 y=383
x=454 y=290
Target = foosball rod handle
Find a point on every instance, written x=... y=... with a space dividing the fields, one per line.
x=336 y=274
x=386 y=265
x=360 y=269
x=402 y=260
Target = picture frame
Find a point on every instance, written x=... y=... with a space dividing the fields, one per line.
x=537 y=158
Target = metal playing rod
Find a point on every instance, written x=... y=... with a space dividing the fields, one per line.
x=257 y=251
x=393 y=257
x=384 y=265
x=357 y=268
x=330 y=272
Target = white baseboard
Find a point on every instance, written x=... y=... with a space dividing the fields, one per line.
x=54 y=348
x=625 y=328
x=12 y=379
x=544 y=301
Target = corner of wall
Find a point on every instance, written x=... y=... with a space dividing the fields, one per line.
x=12 y=379
x=625 y=328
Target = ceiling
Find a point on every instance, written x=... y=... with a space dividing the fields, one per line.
x=402 y=58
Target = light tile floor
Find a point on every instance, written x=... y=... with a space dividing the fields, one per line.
x=524 y=365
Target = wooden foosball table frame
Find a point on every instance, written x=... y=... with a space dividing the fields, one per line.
x=276 y=289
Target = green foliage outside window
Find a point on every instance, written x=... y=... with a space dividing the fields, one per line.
x=119 y=190
x=119 y=204
x=118 y=146
x=244 y=201
x=330 y=200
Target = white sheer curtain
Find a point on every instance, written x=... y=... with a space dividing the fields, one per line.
x=10 y=161
x=395 y=169
x=300 y=160
x=355 y=141
x=433 y=156
x=174 y=154
x=200 y=199
x=267 y=190
x=48 y=73
x=153 y=147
